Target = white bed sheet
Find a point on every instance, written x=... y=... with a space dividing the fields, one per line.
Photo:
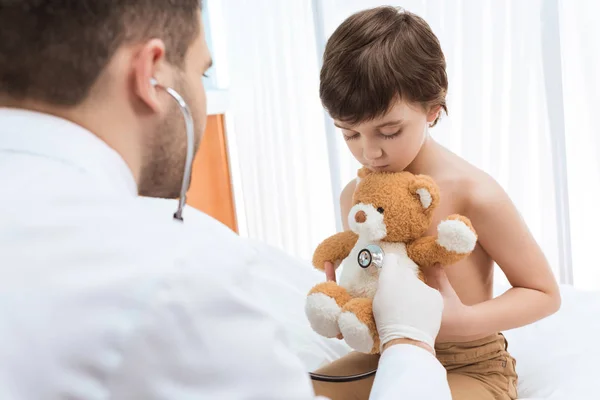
x=557 y=357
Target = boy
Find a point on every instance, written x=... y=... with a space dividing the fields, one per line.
x=384 y=83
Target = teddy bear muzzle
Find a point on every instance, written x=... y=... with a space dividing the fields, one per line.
x=367 y=222
x=360 y=217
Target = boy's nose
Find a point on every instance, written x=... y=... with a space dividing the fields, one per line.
x=360 y=217
x=371 y=151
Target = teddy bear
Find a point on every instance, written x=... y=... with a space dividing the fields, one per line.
x=391 y=213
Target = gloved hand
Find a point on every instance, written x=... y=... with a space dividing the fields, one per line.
x=404 y=307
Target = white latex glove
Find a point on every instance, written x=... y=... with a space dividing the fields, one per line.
x=405 y=307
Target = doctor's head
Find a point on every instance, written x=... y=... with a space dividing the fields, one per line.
x=92 y=62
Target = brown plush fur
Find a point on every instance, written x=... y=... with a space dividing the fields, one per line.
x=333 y=290
x=426 y=252
x=406 y=220
x=336 y=247
x=397 y=194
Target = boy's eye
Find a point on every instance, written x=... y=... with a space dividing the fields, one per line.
x=393 y=135
x=351 y=136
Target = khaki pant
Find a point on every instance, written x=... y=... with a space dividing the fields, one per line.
x=481 y=370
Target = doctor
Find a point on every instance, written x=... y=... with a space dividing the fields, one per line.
x=102 y=297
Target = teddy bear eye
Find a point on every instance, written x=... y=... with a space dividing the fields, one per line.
x=380 y=210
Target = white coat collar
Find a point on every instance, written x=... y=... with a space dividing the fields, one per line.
x=34 y=133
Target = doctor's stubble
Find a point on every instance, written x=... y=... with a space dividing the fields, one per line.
x=165 y=150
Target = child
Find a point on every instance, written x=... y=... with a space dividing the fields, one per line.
x=384 y=83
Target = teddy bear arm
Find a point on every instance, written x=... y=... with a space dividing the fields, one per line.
x=455 y=240
x=334 y=249
x=424 y=251
x=427 y=252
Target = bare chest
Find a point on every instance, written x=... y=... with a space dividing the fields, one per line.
x=471 y=278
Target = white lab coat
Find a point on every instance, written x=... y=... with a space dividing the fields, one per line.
x=102 y=297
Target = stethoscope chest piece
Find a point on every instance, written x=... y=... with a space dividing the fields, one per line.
x=371 y=255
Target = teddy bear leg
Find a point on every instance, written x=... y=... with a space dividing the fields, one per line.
x=323 y=307
x=358 y=326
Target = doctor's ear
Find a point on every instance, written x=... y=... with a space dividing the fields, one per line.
x=147 y=69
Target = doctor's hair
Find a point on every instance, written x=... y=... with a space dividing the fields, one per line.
x=378 y=56
x=54 y=51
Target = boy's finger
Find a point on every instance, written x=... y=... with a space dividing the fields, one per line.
x=444 y=284
x=434 y=276
x=441 y=282
x=329 y=272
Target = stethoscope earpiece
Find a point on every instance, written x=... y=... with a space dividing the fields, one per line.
x=189 y=130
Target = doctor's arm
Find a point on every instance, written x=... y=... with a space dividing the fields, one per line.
x=408 y=370
x=203 y=338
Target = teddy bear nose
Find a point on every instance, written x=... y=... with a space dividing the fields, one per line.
x=360 y=217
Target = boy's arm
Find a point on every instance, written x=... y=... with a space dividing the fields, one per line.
x=505 y=237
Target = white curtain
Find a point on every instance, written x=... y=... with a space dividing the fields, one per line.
x=516 y=98
x=580 y=46
x=276 y=123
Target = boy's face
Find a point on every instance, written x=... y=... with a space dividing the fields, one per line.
x=391 y=142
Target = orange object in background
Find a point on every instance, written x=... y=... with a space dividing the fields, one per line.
x=211 y=190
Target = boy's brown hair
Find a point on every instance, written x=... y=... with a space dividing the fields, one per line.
x=378 y=56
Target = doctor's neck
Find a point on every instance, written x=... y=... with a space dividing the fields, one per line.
x=106 y=121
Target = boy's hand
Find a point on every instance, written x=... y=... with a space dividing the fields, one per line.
x=457 y=318
x=329 y=271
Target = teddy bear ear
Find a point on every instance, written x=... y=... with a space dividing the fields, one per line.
x=426 y=190
x=362 y=173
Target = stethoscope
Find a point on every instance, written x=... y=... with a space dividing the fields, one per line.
x=189 y=130
x=370 y=255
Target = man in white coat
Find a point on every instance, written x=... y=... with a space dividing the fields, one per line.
x=100 y=295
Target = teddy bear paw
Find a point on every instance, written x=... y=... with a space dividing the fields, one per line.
x=456 y=234
x=356 y=333
x=323 y=313
x=357 y=325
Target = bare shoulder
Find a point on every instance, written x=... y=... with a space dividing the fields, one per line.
x=348 y=191
x=482 y=193
x=472 y=189
x=346 y=201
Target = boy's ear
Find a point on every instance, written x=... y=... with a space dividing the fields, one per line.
x=426 y=190
x=433 y=114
